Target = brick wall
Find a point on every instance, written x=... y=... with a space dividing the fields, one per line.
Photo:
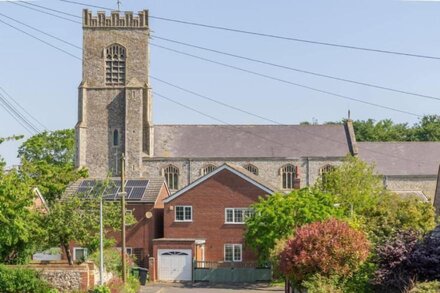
x=209 y=200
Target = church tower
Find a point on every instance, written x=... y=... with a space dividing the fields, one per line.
x=114 y=98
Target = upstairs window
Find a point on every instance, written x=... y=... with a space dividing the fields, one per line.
x=251 y=168
x=183 y=214
x=115 y=65
x=207 y=169
x=237 y=215
x=288 y=175
x=171 y=174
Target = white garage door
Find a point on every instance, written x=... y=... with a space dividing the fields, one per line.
x=174 y=264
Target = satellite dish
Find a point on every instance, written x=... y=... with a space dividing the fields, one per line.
x=148 y=215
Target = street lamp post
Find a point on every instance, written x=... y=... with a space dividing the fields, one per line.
x=123 y=194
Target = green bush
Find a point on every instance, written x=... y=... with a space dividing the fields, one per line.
x=320 y=284
x=22 y=280
x=426 y=287
x=100 y=289
x=132 y=285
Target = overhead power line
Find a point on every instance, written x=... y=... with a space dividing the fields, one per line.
x=42 y=11
x=54 y=10
x=42 y=32
x=22 y=108
x=155 y=36
x=275 y=36
x=19 y=117
x=232 y=126
x=288 y=82
x=389 y=155
x=235 y=127
x=41 y=40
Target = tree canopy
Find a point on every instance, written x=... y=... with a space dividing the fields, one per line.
x=276 y=216
x=48 y=159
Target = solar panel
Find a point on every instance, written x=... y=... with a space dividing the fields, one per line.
x=137 y=193
x=88 y=183
x=137 y=183
x=135 y=188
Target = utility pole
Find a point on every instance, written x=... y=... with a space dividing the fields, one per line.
x=101 y=244
x=123 y=194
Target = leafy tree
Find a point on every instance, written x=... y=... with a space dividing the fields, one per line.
x=276 y=217
x=20 y=226
x=329 y=248
x=377 y=211
x=428 y=129
x=355 y=184
x=383 y=130
x=48 y=158
x=76 y=218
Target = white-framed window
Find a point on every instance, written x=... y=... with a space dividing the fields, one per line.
x=115 y=65
x=237 y=215
x=79 y=253
x=183 y=213
x=288 y=174
x=128 y=250
x=207 y=169
x=171 y=174
x=251 y=168
x=233 y=252
x=128 y=212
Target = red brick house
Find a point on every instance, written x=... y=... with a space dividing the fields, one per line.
x=205 y=221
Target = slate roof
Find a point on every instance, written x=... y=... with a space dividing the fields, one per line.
x=250 y=141
x=402 y=158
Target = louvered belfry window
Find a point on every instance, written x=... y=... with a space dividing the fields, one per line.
x=115 y=65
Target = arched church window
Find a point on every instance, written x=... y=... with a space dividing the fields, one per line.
x=324 y=171
x=171 y=174
x=115 y=65
x=327 y=168
x=207 y=169
x=115 y=137
x=288 y=175
x=251 y=168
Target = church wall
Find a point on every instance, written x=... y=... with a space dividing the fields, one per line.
x=106 y=112
x=269 y=169
x=426 y=184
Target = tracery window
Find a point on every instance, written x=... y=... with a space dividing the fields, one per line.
x=207 y=169
x=324 y=171
x=115 y=65
x=251 y=168
x=171 y=174
x=288 y=175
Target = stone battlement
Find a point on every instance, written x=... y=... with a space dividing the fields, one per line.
x=115 y=19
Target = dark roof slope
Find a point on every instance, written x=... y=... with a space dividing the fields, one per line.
x=192 y=141
x=402 y=158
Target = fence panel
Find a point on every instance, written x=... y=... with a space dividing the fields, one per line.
x=226 y=272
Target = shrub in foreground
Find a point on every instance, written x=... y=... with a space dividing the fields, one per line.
x=330 y=248
x=16 y=279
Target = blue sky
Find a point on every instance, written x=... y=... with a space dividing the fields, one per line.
x=45 y=81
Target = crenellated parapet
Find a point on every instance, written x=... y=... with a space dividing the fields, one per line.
x=115 y=19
